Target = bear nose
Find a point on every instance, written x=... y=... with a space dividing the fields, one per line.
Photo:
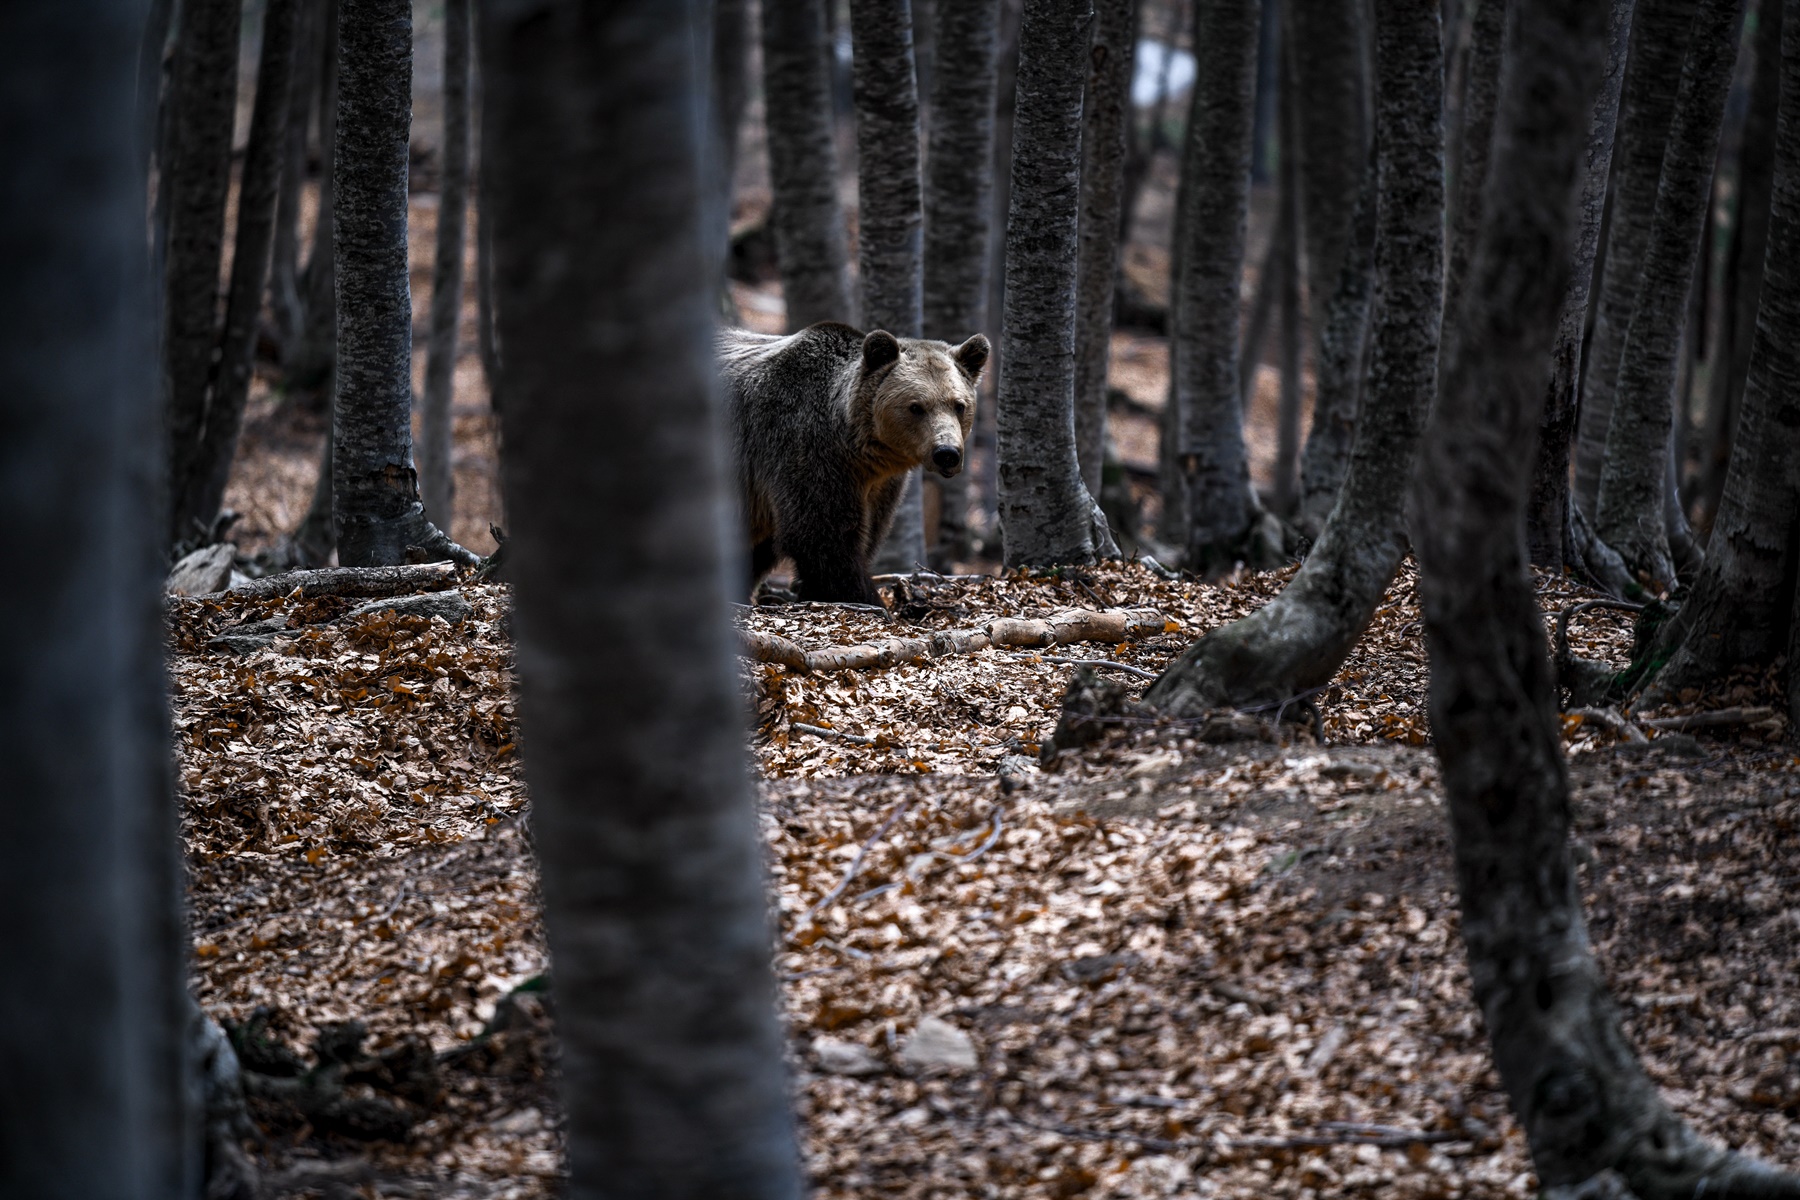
x=946 y=458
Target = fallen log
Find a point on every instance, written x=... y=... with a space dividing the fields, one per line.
x=1072 y=625
x=367 y=582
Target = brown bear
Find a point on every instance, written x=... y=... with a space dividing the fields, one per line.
x=826 y=423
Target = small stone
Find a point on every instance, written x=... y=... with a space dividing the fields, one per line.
x=838 y=1057
x=203 y=572
x=937 y=1045
x=448 y=605
x=1016 y=771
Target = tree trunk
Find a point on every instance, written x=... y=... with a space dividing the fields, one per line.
x=487 y=337
x=1630 y=513
x=285 y=310
x=890 y=215
x=375 y=491
x=309 y=365
x=436 y=478
x=986 y=482
x=731 y=84
x=199 y=490
x=1045 y=510
x=1547 y=512
x=1299 y=640
x=1157 y=140
x=1579 y=1092
x=1105 y=118
x=93 y=990
x=1481 y=87
x=809 y=226
x=1659 y=37
x=315 y=541
x=1225 y=524
x=671 y=1057
x=1284 y=492
x=197 y=178
x=958 y=211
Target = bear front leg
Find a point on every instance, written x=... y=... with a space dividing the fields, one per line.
x=762 y=561
x=826 y=543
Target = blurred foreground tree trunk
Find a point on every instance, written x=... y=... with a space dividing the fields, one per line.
x=671 y=1057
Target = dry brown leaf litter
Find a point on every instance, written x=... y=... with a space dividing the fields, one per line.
x=1170 y=960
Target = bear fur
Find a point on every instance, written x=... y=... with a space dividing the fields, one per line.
x=825 y=424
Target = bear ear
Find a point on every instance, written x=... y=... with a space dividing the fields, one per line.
x=972 y=355
x=879 y=349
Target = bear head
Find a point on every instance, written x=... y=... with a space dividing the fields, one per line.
x=921 y=397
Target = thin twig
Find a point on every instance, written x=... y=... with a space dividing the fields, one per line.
x=1107 y=663
x=1574 y=610
x=1716 y=719
x=855 y=739
x=856 y=863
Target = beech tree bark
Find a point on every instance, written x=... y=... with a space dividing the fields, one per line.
x=1630 y=512
x=890 y=214
x=1659 y=31
x=284 y=257
x=1548 y=514
x=1225 y=525
x=1300 y=639
x=1480 y=96
x=1105 y=124
x=375 y=491
x=1578 y=1090
x=959 y=185
x=808 y=224
x=646 y=830
x=196 y=179
x=93 y=991
x=1285 y=486
x=308 y=362
x=436 y=479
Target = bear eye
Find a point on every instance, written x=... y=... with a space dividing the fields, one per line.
x=961 y=408
x=918 y=410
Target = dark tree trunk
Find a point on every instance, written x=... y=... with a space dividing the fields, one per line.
x=375 y=491
x=198 y=491
x=197 y=179
x=1300 y=639
x=809 y=226
x=1547 y=515
x=437 y=481
x=731 y=84
x=1659 y=37
x=1578 y=1090
x=309 y=365
x=1265 y=138
x=92 y=991
x=986 y=482
x=671 y=1057
x=1225 y=524
x=1157 y=139
x=1045 y=510
x=487 y=337
x=1105 y=119
x=958 y=211
x=1631 y=516
x=1284 y=494
x=284 y=266
x=1475 y=111
x=315 y=541
x=890 y=214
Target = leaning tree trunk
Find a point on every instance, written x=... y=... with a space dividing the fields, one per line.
x=1580 y=1093
x=1105 y=121
x=1548 y=514
x=890 y=214
x=375 y=491
x=197 y=179
x=1630 y=513
x=92 y=992
x=646 y=830
x=809 y=226
x=1298 y=641
x=1224 y=523
x=959 y=184
x=197 y=491
x=307 y=362
x=437 y=481
x=1659 y=33
x=1046 y=513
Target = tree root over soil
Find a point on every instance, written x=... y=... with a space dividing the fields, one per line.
x=1072 y=625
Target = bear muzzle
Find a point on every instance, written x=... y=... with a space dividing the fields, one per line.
x=947 y=460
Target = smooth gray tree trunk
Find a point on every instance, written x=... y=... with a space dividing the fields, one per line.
x=959 y=184
x=198 y=492
x=93 y=987
x=1659 y=32
x=986 y=481
x=1576 y=1086
x=196 y=180
x=1105 y=121
x=731 y=84
x=1547 y=514
x=309 y=363
x=1480 y=95
x=1046 y=513
x=1630 y=514
x=808 y=223
x=437 y=480
x=890 y=215
x=284 y=260
x=1225 y=525
x=375 y=490
x=645 y=825
x=1299 y=640
x=1285 y=485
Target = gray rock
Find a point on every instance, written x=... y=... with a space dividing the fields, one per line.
x=249 y=637
x=837 y=1057
x=203 y=572
x=448 y=605
x=937 y=1045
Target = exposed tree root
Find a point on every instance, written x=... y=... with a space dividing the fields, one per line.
x=1073 y=625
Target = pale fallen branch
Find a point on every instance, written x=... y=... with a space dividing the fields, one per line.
x=1609 y=718
x=1103 y=663
x=350 y=581
x=1073 y=625
x=825 y=731
x=1719 y=718
x=856 y=863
